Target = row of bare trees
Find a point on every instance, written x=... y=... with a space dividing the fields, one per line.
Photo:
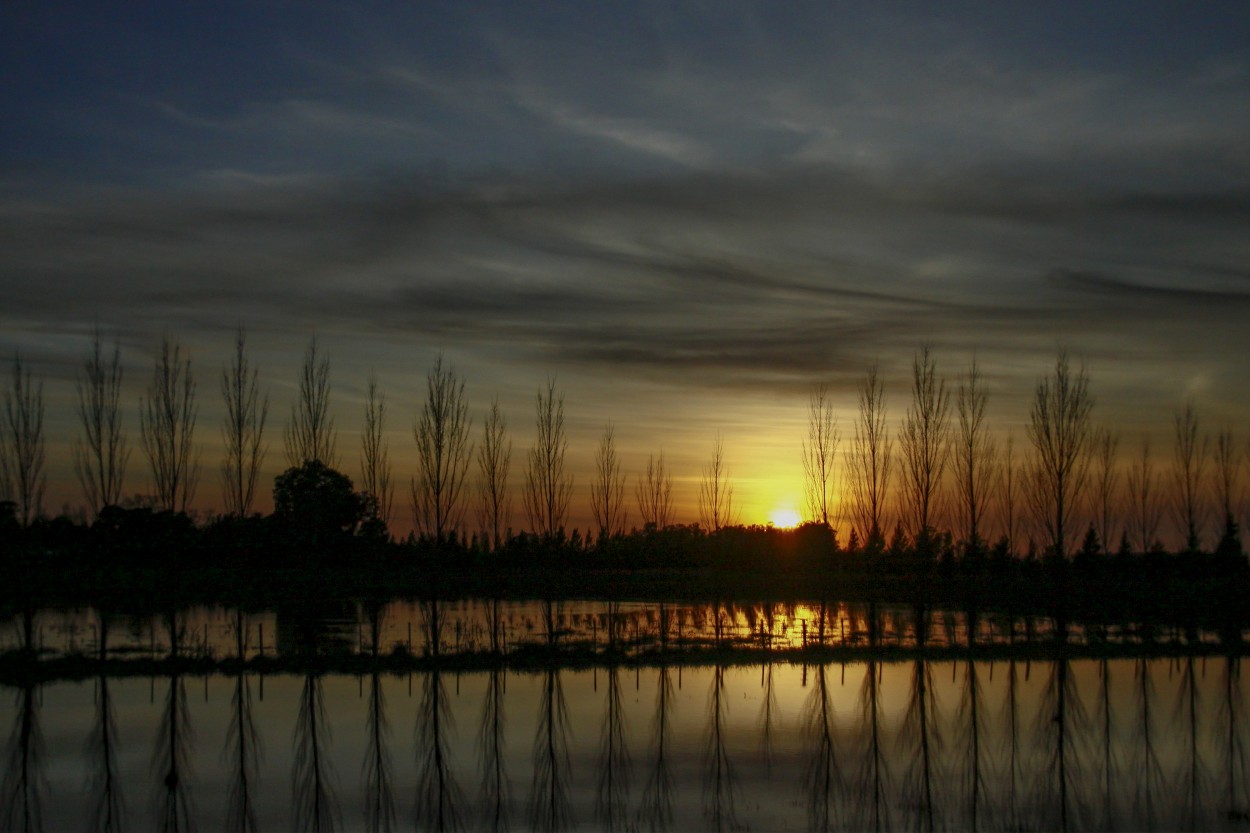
x=1070 y=482
x=947 y=464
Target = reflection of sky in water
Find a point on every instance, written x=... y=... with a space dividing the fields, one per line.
x=769 y=780
x=211 y=630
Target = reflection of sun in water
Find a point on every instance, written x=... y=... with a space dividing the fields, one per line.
x=784 y=517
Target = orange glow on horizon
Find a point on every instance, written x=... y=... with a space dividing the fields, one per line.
x=785 y=517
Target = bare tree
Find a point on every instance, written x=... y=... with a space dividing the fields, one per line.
x=1009 y=493
x=1227 y=475
x=443 y=452
x=1143 y=482
x=925 y=443
x=1059 y=428
x=1190 y=462
x=1106 y=477
x=868 y=460
x=654 y=493
x=243 y=430
x=375 y=452
x=973 y=457
x=716 y=492
x=310 y=435
x=167 y=427
x=607 y=490
x=101 y=454
x=548 y=486
x=22 y=448
x=494 y=458
x=820 y=451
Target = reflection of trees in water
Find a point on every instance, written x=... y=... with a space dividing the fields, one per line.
x=495 y=786
x=170 y=759
x=972 y=728
x=1145 y=756
x=1186 y=717
x=1015 y=774
x=314 y=804
x=719 y=785
x=171 y=756
x=438 y=795
x=614 y=772
x=242 y=748
x=549 y=799
x=379 y=797
x=1108 y=750
x=873 y=775
x=767 y=717
x=108 y=806
x=656 y=812
x=822 y=774
x=1061 y=723
x=921 y=735
x=24 y=781
x=1232 y=720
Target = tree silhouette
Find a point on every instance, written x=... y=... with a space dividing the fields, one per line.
x=716 y=492
x=310 y=434
x=1106 y=476
x=1142 y=483
x=101 y=454
x=1190 y=462
x=869 y=461
x=375 y=464
x=167 y=427
x=243 y=429
x=443 y=452
x=925 y=444
x=1227 y=471
x=820 y=451
x=1009 y=492
x=654 y=494
x=494 y=458
x=317 y=502
x=22 y=450
x=548 y=486
x=607 y=490
x=1059 y=429
x=973 y=456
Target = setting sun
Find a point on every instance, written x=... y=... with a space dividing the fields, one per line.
x=784 y=517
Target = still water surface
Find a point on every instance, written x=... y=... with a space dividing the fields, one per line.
x=634 y=742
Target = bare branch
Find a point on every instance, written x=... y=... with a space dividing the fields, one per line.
x=654 y=494
x=1059 y=429
x=375 y=464
x=243 y=430
x=100 y=455
x=310 y=434
x=494 y=458
x=868 y=461
x=716 y=493
x=167 y=427
x=925 y=443
x=607 y=490
x=22 y=448
x=443 y=452
x=820 y=452
x=547 y=486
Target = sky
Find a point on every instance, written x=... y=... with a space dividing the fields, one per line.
x=687 y=215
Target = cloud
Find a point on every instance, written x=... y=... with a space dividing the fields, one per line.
x=713 y=282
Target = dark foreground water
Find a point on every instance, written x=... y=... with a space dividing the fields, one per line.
x=728 y=725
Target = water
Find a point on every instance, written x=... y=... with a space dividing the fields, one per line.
x=1113 y=732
